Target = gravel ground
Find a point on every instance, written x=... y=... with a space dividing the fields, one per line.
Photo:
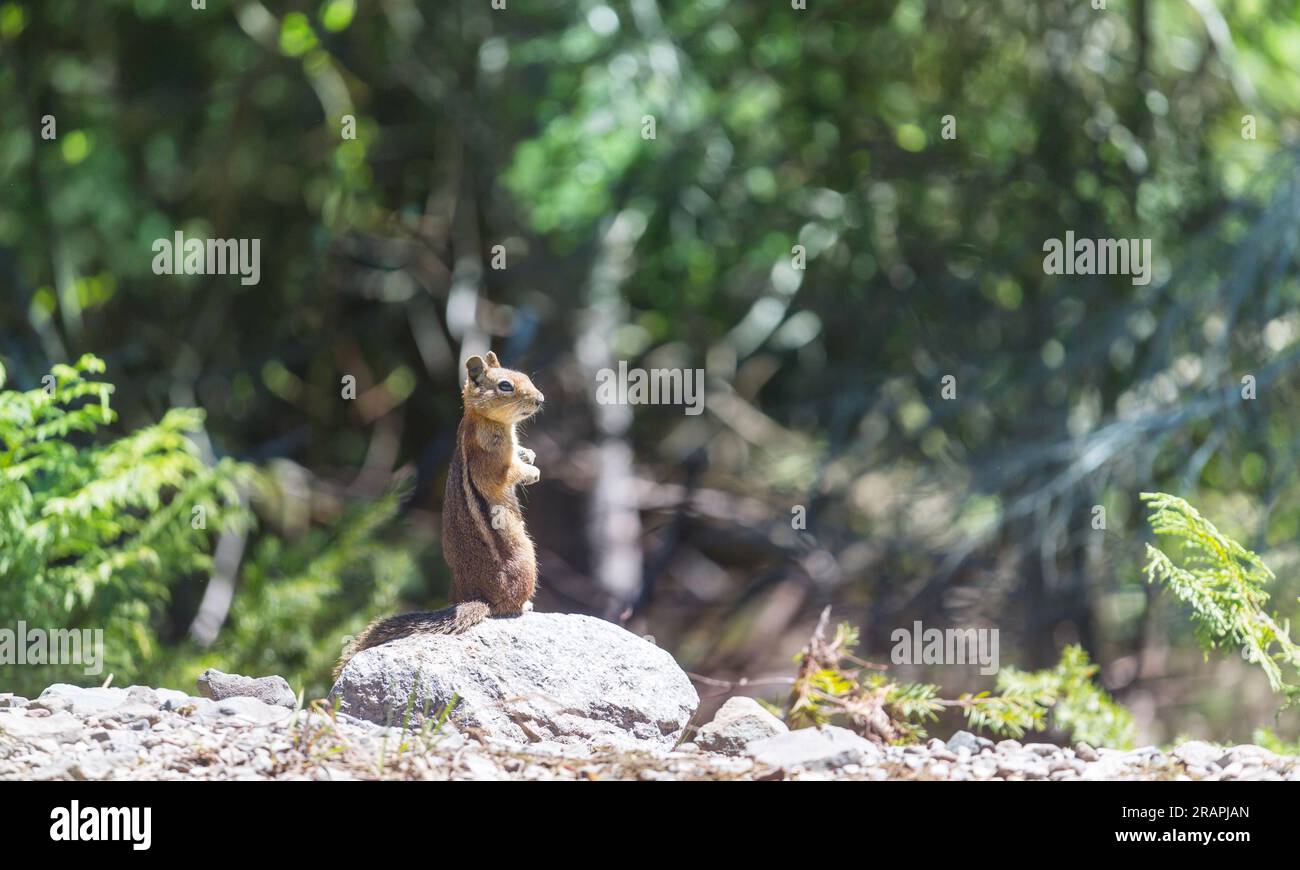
x=142 y=733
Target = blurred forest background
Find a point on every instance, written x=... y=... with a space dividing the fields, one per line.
x=774 y=127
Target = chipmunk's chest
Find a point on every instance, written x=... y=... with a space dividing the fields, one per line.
x=496 y=439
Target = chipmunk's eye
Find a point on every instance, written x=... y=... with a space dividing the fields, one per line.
x=506 y=387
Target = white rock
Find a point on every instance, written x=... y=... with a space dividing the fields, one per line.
x=90 y=767
x=81 y=701
x=540 y=677
x=1197 y=753
x=821 y=748
x=1035 y=770
x=273 y=690
x=738 y=723
x=132 y=711
x=968 y=741
x=169 y=699
x=1085 y=752
x=481 y=768
x=143 y=695
x=246 y=710
x=61 y=727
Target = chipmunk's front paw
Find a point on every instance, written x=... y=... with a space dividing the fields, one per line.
x=530 y=475
x=526 y=455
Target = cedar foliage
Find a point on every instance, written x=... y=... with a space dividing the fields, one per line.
x=94 y=533
x=99 y=533
x=1224 y=584
x=834 y=684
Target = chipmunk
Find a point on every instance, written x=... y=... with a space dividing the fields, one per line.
x=493 y=566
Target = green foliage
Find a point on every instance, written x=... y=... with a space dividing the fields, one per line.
x=830 y=684
x=103 y=535
x=1266 y=738
x=1076 y=704
x=93 y=534
x=1224 y=584
x=298 y=601
x=773 y=129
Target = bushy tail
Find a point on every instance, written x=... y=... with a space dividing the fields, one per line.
x=450 y=620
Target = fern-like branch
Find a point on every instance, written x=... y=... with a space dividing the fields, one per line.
x=1225 y=585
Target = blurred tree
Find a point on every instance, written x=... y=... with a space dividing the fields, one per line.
x=799 y=224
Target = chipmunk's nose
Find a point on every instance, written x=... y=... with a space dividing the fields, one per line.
x=540 y=398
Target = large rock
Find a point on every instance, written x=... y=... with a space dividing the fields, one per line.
x=738 y=723
x=218 y=685
x=550 y=677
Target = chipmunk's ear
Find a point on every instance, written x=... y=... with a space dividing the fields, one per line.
x=474 y=366
x=493 y=361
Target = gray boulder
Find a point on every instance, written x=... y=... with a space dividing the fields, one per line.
x=738 y=723
x=825 y=748
x=219 y=686
x=540 y=677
